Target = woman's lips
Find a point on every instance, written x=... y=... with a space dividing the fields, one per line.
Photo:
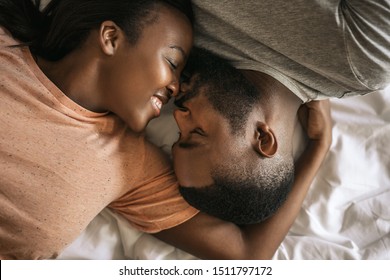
x=158 y=100
x=157 y=105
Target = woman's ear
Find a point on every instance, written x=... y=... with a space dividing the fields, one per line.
x=109 y=35
x=265 y=140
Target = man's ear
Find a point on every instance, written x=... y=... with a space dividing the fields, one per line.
x=109 y=35
x=265 y=140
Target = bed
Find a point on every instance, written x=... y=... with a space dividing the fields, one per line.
x=346 y=214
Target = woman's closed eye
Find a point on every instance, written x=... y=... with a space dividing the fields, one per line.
x=172 y=64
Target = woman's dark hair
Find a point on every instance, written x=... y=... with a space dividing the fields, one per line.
x=63 y=25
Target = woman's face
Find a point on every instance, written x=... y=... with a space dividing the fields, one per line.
x=142 y=78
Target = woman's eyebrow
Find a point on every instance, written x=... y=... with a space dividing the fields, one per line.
x=180 y=49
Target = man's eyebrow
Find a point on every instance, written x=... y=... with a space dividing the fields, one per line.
x=179 y=100
x=180 y=49
x=189 y=145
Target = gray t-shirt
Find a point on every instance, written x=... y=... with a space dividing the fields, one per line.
x=316 y=48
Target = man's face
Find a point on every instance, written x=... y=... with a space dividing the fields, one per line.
x=205 y=137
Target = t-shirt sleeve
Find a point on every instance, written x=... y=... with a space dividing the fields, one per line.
x=367 y=36
x=154 y=203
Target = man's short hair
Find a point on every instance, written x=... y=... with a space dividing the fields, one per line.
x=227 y=89
x=245 y=191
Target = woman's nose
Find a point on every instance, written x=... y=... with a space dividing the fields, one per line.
x=173 y=88
x=184 y=85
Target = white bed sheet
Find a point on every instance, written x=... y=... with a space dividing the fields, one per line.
x=346 y=214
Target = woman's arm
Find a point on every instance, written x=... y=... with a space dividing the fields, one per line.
x=210 y=238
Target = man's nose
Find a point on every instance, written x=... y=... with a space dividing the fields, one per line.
x=182 y=118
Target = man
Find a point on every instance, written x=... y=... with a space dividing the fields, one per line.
x=290 y=56
x=222 y=121
x=229 y=149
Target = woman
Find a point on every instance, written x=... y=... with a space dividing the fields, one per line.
x=79 y=82
x=97 y=53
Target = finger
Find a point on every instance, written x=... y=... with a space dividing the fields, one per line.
x=303 y=113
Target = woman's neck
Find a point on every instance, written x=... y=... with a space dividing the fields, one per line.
x=76 y=75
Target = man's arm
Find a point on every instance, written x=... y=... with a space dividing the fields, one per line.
x=210 y=238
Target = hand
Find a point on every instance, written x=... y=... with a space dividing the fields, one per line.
x=316 y=121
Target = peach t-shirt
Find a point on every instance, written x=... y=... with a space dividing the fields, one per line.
x=61 y=164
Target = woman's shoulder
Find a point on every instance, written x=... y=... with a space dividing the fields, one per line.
x=6 y=38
